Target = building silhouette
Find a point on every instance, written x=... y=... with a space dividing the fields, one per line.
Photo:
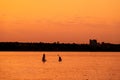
x=93 y=42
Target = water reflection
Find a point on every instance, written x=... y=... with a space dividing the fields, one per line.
x=76 y=66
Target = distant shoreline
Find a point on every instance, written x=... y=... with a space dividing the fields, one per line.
x=59 y=47
x=59 y=51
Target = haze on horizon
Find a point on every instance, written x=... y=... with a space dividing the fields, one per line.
x=60 y=20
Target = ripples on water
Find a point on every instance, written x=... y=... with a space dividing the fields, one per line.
x=75 y=66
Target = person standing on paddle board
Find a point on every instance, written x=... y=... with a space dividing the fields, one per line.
x=43 y=58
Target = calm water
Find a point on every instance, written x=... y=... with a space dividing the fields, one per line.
x=75 y=66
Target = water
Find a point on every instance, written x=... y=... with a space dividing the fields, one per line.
x=75 y=66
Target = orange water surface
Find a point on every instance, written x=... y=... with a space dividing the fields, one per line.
x=74 y=66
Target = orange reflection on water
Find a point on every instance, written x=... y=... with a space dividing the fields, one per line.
x=75 y=66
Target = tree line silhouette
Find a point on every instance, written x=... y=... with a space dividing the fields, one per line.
x=20 y=46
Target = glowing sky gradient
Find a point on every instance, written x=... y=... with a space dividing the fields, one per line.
x=60 y=20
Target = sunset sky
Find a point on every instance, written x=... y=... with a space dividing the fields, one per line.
x=60 y=20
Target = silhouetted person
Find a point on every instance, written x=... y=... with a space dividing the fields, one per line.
x=59 y=58
x=43 y=58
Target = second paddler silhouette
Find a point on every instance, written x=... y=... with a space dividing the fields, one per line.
x=59 y=58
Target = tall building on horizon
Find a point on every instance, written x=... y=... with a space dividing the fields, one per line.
x=93 y=42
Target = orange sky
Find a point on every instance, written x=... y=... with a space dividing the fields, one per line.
x=60 y=20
